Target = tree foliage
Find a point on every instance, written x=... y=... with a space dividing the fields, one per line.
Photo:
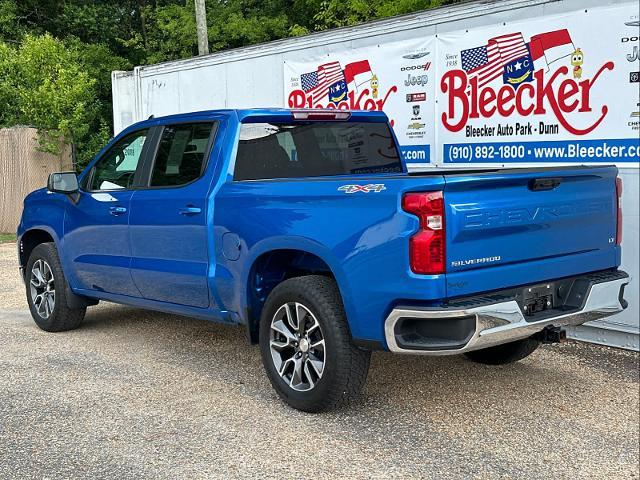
x=44 y=85
x=56 y=56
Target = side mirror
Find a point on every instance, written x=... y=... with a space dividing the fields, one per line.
x=63 y=182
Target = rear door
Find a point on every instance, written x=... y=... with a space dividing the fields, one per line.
x=507 y=229
x=168 y=221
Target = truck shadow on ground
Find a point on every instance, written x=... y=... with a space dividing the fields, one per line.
x=223 y=353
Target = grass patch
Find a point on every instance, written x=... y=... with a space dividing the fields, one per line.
x=7 y=237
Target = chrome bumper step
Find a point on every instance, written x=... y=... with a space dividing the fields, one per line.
x=491 y=324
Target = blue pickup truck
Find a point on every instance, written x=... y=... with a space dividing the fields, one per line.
x=305 y=227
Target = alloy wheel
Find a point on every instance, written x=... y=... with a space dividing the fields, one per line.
x=42 y=288
x=297 y=346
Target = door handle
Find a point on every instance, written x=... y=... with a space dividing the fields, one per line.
x=117 y=210
x=189 y=210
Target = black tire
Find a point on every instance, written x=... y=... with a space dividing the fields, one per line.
x=61 y=318
x=506 y=353
x=345 y=365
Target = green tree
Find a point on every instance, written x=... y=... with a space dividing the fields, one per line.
x=237 y=23
x=50 y=89
x=340 y=13
x=56 y=56
x=7 y=97
x=97 y=61
x=169 y=34
x=8 y=19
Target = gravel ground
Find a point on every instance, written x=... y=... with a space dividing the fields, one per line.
x=135 y=394
x=11 y=288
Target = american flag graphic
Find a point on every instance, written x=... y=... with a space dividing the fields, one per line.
x=487 y=62
x=316 y=84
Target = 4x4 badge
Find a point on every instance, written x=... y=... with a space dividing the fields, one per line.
x=377 y=187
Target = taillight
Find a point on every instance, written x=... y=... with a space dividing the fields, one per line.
x=427 y=246
x=619 y=215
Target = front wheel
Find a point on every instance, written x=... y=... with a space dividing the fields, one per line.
x=506 y=353
x=47 y=291
x=306 y=345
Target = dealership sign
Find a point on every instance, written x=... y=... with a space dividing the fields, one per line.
x=542 y=91
x=394 y=78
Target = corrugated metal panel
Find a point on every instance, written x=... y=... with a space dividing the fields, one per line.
x=606 y=334
x=124 y=97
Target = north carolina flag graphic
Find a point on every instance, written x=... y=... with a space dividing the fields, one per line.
x=357 y=73
x=549 y=47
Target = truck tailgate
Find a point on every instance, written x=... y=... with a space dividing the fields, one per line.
x=512 y=228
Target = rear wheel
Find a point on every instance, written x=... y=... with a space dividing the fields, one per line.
x=47 y=291
x=306 y=345
x=506 y=353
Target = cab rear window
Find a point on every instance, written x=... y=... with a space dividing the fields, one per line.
x=270 y=150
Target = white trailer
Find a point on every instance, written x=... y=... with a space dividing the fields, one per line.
x=488 y=83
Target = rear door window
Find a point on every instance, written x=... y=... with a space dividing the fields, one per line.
x=268 y=150
x=182 y=153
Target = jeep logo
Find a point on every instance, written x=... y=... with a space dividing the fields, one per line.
x=416 y=80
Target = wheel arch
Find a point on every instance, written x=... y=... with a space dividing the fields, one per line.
x=271 y=266
x=30 y=239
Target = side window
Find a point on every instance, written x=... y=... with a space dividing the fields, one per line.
x=181 y=154
x=116 y=169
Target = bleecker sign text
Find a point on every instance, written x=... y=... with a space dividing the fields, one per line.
x=300 y=99
x=562 y=95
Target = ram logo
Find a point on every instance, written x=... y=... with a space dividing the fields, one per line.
x=372 y=187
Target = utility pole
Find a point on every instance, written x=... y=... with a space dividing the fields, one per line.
x=201 y=25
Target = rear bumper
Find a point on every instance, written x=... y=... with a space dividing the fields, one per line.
x=481 y=322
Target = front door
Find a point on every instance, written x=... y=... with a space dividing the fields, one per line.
x=97 y=225
x=168 y=221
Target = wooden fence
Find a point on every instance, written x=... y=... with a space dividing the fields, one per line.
x=23 y=168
